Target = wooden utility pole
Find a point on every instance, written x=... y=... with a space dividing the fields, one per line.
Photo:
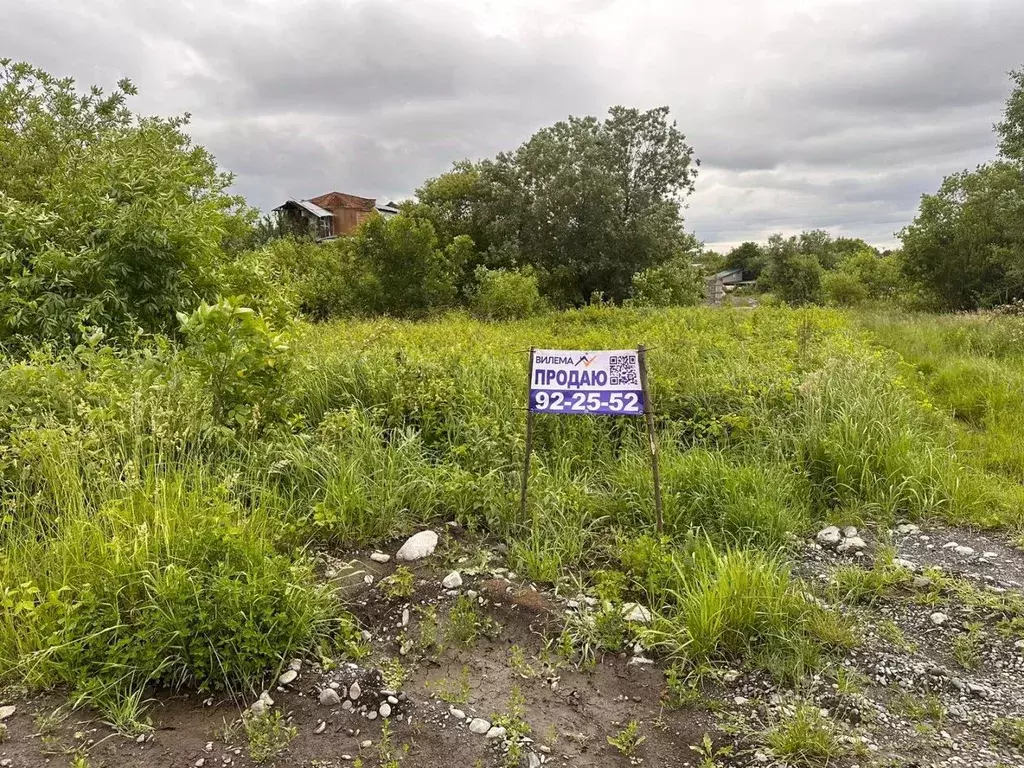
x=529 y=438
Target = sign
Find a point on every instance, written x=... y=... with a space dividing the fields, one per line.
x=577 y=382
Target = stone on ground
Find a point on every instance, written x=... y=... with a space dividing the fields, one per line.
x=479 y=725
x=380 y=557
x=452 y=581
x=829 y=537
x=329 y=697
x=418 y=546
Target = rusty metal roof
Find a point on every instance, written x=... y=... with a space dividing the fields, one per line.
x=333 y=200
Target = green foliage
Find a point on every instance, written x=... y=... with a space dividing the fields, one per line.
x=747 y=256
x=502 y=294
x=966 y=244
x=628 y=740
x=399 y=584
x=676 y=283
x=399 y=268
x=106 y=220
x=1011 y=127
x=268 y=734
x=843 y=289
x=586 y=203
x=790 y=272
x=806 y=738
x=242 y=362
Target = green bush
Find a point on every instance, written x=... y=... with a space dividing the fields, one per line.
x=843 y=289
x=242 y=362
x=505 y=294
x=676 y=283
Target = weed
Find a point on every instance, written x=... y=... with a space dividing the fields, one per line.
x=805 y=738
x=268 y=734
x=515 y=725
x=465 y=623
x=628 y=739
x=967 y=647
x=709 y=754
x=517 y=661
x=452 y=691
x=1011 y=729
x=918 y=707
x=394 y=673
x=890 y=631
x=386 y=748
x=399 y=584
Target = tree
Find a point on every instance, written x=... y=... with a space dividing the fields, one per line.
x=1011 y=128
x=398 y=269
x=586 y=203
x=503 y=294
x=106 y=219
x=794 y=276
x=676 y=283
x=748 y=257
x=966 y=244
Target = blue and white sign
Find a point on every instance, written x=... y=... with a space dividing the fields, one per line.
x=571 y=381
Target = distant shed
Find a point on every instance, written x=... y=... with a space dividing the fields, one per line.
x=722 y=282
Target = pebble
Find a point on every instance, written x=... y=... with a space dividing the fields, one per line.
x=908 y=564
x=458 y=714
x=320 y=727
x=329 y=697
x=288 y=677
x=385 y=710
x=938 y=618
x=368 y=580
x=371 y=715
x=346 y=705
x=452 y=581
x=405 y=617
x=479 y=725
x=963 y=550
x=907 y=528
x=198 y=763
x=922 y=582
x=495 y=732
x=856 y=543
x=380 y=557
x=365 y=744
x=261 y=705
x=418 y=546
x=355 y=691
x=7 y=711
x=850 y=531
x=392 y=700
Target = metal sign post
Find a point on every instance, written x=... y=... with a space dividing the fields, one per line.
x=601 y=383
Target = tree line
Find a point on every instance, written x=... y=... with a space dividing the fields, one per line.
x=112 y=224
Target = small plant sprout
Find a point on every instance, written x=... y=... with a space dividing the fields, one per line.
x=708 y=753
x=628 y=740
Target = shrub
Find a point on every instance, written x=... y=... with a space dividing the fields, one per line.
x=242 y=361
x=676 y=283
x=843 y=289
x=505 y=294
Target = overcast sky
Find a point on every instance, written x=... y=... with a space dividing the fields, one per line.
x=805 y=113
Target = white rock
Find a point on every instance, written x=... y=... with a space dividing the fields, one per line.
x=850 y=531
x=534 y=760
x=346 y=705
x=371 y=715
x=380 y=557
x=639 y=661
x=496 y=732
x=479 y=725
x=938 y=618
x=259 y=707
x=950 y=545
x=7 y=711
x=964 y=550
x=907 y=528
x=418 y=546
x=385 y=710
x=288 y=677
x=295 y=664
x=405 y=617
x=368 y=579
x=392 y=700
x=899 y=562
x=637 y=613
x=829 y=537
x=854 y=543
x=990 y=555
x=458 y=714
x=741 y=700
x=329 y=697
x=365 y=744
x=320 y=727
x=355 y=691
x=452 y=581
x=198 y=763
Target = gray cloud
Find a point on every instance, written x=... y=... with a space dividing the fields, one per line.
x=805 y=113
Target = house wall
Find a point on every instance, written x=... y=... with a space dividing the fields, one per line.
x=347 y=219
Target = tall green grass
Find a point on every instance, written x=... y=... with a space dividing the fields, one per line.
x=145 y=541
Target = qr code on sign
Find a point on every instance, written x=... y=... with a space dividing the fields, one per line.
x=622 y=370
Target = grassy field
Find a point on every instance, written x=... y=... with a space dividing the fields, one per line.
x=146 y=541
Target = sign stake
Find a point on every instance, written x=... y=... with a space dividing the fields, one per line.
x=649 y=417
x=529 y=440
